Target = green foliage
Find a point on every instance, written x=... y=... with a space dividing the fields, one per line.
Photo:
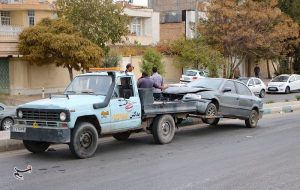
x=152 y=58
x=111 y=60
x=58 y=42
x=196 y=53
x=270 y=102
x=101 y=21
x=297 y=97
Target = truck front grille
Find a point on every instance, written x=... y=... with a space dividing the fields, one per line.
x=42 y=123
x=40 y=115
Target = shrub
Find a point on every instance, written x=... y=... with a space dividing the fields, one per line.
x=152 y=58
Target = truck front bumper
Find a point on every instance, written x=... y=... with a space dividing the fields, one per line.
x=52 y=135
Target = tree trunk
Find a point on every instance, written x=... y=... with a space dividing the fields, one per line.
x=249 y=66
x=268 y=69
x=275 y=70
x=70 y=73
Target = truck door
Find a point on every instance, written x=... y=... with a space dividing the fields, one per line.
x=125 y=105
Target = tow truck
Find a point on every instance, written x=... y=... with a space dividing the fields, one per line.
x=105 y=101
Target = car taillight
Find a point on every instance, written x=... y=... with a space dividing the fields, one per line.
x=195 y=77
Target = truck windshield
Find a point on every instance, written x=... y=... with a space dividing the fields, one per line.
x=90 y=84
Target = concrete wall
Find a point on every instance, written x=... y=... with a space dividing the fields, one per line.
x=171 y=31
x=28 y=79
x=172 y=75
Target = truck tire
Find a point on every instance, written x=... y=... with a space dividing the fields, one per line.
x=122 y=136
x=252 y=121
x=211 y=110
x=36 y=146
x=163 y=129
x=84 y=140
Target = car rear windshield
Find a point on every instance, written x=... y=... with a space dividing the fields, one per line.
x=190 y=73
x=281 y=78
x=206 y=83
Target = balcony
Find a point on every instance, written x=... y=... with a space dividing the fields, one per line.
x=9 y=39
x=17 y=5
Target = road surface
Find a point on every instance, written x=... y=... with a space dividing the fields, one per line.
x=229 y=156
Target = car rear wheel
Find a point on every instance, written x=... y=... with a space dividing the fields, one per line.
x=252 y=121
x=163 y=129
x=262 y=93
x=6 y=124
x=84 y=140
x=36 y=146
x=212 y=111
x=122 y=136
x=287 y=90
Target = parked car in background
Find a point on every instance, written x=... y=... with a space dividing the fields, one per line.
x=284 y=84
x=256 y=85
x=6 y=117
x=191 y=75
x=221 y=97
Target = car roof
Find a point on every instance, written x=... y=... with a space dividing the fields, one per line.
x=105 y=73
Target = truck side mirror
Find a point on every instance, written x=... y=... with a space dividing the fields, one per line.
x=226 y=89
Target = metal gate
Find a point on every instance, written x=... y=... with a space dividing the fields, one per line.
x=4 y=76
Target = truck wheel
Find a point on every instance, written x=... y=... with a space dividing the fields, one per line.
x=84 y=140
x=122 y=136
x=252 y=121
x=211 y=110
x=36 y=146
x=163 y=129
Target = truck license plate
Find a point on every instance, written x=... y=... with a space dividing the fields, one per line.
x=18 y=129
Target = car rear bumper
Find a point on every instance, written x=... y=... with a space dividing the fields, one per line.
x=52 y=135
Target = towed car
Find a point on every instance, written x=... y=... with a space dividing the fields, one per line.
x=224 y=98
x=284 y=84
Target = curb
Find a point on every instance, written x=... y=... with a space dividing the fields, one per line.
x=282 y=109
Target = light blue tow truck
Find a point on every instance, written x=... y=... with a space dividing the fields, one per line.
x=102 y=102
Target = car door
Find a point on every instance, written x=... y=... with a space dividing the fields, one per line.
x=229 y=100
x=297 y=82
x=125 y=105
x=292 y=83
x=258 y=86
x=252 y=86
x=246 y=100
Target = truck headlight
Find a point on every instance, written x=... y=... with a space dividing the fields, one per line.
x=63 y=116
x=20 y=114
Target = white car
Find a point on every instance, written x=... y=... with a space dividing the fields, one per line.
x=256 y=85
x=284 y=84
x=191 y=75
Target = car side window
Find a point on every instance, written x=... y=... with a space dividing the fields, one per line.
x=1 y=108
x=243 y=89
x=257 y=81
x=124 y=88
x=297 y=77
x=292 y=79
x=251 y=83
x=230 y=84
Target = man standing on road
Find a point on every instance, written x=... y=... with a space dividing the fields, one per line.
x=256 y=71
x=158 y=80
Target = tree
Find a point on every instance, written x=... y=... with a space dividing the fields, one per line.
x=112 y=59
x=195 y=53
x=58 y=42
x=152 y=58
x=101 y=21
x=245 y=29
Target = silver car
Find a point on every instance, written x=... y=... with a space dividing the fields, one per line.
x=6 y=117
x=222 y=98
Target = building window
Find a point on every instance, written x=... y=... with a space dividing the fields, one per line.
x=5 y=18
x=136 y=26
x=31 y=18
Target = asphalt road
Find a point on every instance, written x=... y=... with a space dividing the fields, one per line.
x=229 y=156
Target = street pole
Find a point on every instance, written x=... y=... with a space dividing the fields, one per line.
x=196 y=19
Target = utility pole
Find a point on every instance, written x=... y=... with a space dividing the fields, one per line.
x=196 y=19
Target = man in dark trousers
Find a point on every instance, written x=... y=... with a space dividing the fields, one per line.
x=157 y=78
x=256 y=71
